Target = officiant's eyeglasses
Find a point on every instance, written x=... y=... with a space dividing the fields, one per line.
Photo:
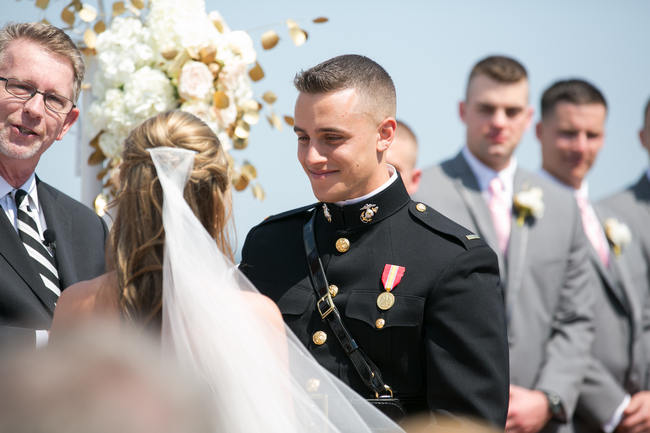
x=25 y=91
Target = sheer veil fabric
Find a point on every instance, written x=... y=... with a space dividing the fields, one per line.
x=263 y=379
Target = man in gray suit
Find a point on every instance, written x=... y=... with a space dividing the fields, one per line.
x=572 y=133
x=534 y=226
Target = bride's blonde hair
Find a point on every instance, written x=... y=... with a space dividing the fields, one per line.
x=137 y=236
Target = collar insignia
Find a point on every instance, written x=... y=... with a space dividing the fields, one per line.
x=368 y=211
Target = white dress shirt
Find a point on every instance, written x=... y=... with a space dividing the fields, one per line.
x=485 y=174
x=9 y=207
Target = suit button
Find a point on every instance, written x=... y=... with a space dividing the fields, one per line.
x=342 y=245
x=333 y=290
x=421 y=207
x=319 y=338
x=379 y=323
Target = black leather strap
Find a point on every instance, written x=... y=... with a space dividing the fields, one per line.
x=367 y=370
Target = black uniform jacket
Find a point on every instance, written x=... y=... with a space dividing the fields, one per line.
x=443 y=344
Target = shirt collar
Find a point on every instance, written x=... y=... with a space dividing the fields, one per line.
x=485 y=174
x=29 y=186
x=389 y=182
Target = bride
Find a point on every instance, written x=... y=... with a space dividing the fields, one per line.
x=172 y=273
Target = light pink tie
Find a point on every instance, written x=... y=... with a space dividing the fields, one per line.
x=593 y=230
x=500 y=209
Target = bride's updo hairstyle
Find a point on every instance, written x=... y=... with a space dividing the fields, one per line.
x=137 y=236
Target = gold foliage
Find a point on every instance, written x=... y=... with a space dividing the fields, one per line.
x=269 y=97
x=88 y=13
x=270 y=39
x=100 y=27
x=67 y=16
x=221 y=100
x=118 y=8
x=42 y=4
x=258 y=192
x=256 y=73
x=289 y=120
x=90 y=38
x=320 y=20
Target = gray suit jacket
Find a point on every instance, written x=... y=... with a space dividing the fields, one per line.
x=619 y=366
x=545 y=275
x=80 y=237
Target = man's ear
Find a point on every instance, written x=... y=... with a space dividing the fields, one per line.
x=70 y=119
x=462 y=110
x=386 y=134
x=538 y=130
x=416 y=175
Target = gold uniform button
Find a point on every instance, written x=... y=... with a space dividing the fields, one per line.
x=421 y=207
x=319 y=338
x=342 y=245
x=379 y=323
x=333 y=290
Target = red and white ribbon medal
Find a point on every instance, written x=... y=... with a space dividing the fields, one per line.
x=390 y=278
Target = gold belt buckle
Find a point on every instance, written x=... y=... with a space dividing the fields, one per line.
x=330 y=305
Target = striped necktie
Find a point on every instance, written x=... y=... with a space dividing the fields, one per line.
x=42 y=260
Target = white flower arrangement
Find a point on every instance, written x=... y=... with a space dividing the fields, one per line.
x=618 y=234
x=177 y=57
x=529 y=202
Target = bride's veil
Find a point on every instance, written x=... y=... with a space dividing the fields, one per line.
x=215 y=323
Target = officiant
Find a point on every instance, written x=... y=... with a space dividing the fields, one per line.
x=389 y=295
x=47 y=239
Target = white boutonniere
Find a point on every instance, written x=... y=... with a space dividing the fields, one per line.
x=618 y=234
x=529 y=203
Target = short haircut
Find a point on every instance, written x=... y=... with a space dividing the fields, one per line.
x=50 y=38
x=351 y=71
x=574 y=91
x=501 y=69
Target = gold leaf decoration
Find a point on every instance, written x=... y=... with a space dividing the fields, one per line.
x=269 y=97
x=215 y=68
x=249 y=170
x=170 y=54
x=100 y=204
x=86 y=86
x=42 y=4
x=251 y=117
x=242 y=130
x=274 y=121
x=240 y=143
x=256 y=73
x=103 y=172
x=77 y=5
x=208 y=54
x=270 y=39
x=100 y=27
x=289 y=120
x=221 y=100
x=138 y=4
x=96 y=158
x=240 y=182
x=88 y=13
x=298 y=36
x=258 y=192
x=45 y=21
x=118 y=8
x=291 y=24
x=320 y=20
x=67 y=16
x=90 y=38
x=94 y=143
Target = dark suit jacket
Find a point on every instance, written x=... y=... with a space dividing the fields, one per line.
x=443 y=346
x=80 y=238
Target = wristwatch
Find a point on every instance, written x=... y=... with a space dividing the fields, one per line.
x=555 y=406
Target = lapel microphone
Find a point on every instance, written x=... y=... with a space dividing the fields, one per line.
x=49 y=240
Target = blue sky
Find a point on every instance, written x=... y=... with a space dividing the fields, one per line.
x=428 y=48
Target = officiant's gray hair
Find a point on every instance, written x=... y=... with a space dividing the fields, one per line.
x=347 y=72
x=50 y=38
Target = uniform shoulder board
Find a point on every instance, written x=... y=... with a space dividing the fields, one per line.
x=440 y=223
x=287 y=214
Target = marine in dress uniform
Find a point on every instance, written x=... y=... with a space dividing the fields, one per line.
x=441 y=345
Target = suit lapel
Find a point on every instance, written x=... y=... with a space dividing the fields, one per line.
x=58 y=221
x=517 y=246
x=467 y=186
x=13 y=251
x=607 y=277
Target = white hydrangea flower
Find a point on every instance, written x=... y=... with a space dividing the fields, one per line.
x=148 y=93
x=529 y=202
x=618 y=234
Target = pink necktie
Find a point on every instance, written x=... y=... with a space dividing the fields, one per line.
x=593 y=230
x=500 y=209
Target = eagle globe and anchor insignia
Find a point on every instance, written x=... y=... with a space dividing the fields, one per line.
x=368 y=212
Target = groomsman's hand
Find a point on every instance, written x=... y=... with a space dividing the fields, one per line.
x=636 y=416
x=528 y=411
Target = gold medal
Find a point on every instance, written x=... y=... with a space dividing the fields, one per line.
x=385 y=300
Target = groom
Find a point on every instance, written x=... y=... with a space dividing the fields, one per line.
x=436 y=331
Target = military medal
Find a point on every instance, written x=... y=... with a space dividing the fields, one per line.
x=368 y=211
x=390 y=278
